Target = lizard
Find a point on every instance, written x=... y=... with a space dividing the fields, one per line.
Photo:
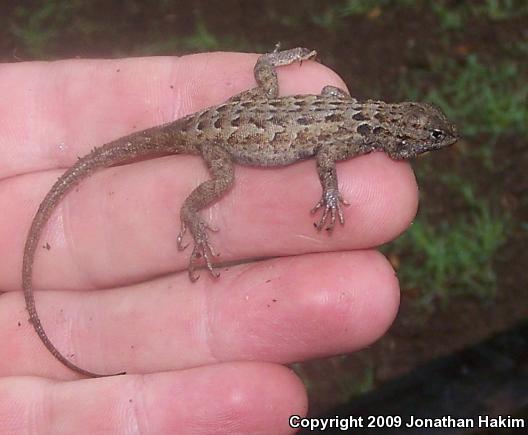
x=258 y=128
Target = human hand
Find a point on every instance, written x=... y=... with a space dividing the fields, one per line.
x=112 y=290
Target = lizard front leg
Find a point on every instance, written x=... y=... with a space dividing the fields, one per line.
x=221 y=167
x=331 y=200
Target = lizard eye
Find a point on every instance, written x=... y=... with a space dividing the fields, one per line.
x=437 y=134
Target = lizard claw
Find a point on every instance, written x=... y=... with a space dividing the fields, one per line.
x=331 y=201
x=201 y=251
x=202 y=247
x=205 y=251
x=179 y=239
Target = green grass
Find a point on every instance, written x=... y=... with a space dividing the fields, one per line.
x=334 y=14
x=360 y=7
x=38 y=28
x=42 y=29
x=452 y=257
x=451 y=15
x=456 y=15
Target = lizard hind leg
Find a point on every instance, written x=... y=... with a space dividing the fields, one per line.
x=220 y=165
x=265 y=73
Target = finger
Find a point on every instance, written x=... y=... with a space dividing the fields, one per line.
x=121 y=225
x=53 y=112
x=281 y=310
x=248 y=398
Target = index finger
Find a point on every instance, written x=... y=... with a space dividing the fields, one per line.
x=53 y=112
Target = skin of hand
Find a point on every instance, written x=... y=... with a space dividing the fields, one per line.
x=111 y=287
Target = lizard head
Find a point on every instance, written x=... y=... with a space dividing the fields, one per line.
x=421 y=127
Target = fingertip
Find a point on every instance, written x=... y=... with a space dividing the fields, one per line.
x=383 y=196
x=380 y=298
x=244 y=397
x=304 y=307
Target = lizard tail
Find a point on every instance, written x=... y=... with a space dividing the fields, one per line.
x=111 y=154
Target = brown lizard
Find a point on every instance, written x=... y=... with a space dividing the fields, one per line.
x=258 y=128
